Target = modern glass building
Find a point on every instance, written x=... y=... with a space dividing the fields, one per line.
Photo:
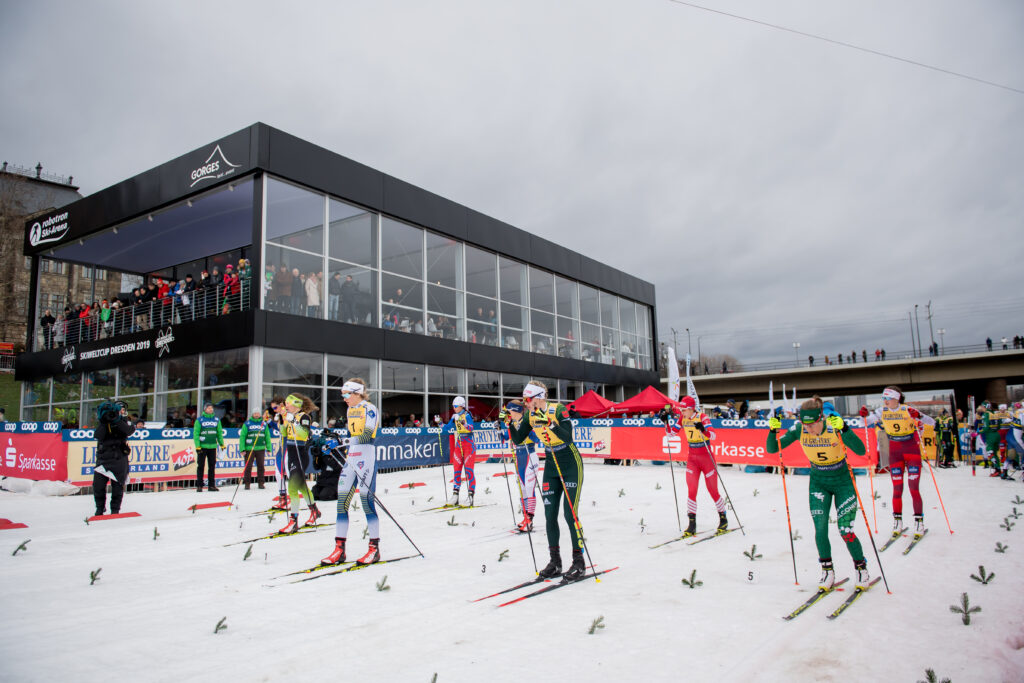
x=353 y=273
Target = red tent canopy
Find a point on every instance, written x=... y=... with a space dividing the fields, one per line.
x=591 y=404
x=650 y=400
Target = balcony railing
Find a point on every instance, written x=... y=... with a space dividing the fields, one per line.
x=196 y=305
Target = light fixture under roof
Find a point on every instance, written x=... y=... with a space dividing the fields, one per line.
x=150 y=218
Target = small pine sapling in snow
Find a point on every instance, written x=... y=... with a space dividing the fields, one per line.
x=964 y=609
x=1017 y=500
x=622 y=492
x=930 y=677
x=756 y=492
x=87 y=521
x=428 y=500
x=23 y=546
x=752 y=553
x=220 y=625
x=596 y=624
x=434 y=679
x=487 y=489
x=1000 y=548
x=657 y=486
x=452 y=522
x=796 y=535
x=194 y=508
x=877 y=495
x=981 y=577
x=1015 y=515
x=503 y=555
x=94 y=575
x=693 y=582
x=156 y=534
x=382 y=585
x=248 y=553
x=270 y=518
x=1007 y=524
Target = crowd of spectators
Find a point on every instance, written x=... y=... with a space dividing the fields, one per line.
x=164 y=301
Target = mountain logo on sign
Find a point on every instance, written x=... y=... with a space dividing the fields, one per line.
x=216 y=166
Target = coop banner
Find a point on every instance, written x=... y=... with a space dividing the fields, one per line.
x=157 y=455
x=31 y=455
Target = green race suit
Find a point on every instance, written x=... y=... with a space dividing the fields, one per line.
x=829 y=479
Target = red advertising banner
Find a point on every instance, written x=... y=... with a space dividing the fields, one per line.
x=34 y=456
x=734 y=446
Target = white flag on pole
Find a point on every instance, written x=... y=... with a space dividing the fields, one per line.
x=673 y=375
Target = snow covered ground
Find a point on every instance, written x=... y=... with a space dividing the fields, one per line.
x=151 y=615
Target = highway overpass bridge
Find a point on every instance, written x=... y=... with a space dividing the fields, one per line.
x=983 y=375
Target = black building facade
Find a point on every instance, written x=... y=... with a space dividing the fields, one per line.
x=350 y=273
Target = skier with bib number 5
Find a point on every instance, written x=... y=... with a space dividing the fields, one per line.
x=822 y=440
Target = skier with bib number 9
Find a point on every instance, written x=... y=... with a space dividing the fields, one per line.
x=822 y=440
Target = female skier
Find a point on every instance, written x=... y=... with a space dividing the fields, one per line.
x=700 y=461
x=550 y=421
x=527 y=466
x=463 y=453
x=360 y=470
x=295 y=431
x=822 y=440
x=280 y=471
x=900 y=424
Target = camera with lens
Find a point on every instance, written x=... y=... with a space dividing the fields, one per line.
x=110 y=411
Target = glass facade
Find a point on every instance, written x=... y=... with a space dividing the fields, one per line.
x=384 y=272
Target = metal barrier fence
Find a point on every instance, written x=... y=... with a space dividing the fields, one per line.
x=122 y=320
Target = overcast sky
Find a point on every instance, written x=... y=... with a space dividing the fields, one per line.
x=773 y=187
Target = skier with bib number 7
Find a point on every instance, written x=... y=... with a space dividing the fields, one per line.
x=697 y=428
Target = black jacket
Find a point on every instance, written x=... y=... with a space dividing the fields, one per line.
x=112 y=440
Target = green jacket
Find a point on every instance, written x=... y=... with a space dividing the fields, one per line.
x=207 y=432
x=254 y=436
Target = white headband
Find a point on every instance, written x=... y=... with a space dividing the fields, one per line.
x=353 y=388
x=891 y=394
x=532 y=390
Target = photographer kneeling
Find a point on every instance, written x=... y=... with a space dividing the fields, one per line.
x=112 y=453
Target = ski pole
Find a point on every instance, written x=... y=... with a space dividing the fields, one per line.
x=440 y=448
x=522 y=498
x=871 y=473
x=251 y=450
x=572 y=509
x=789 y=521
x=376 y=499
x=728 y=498
x=864 y=514
x=508 y=487
x=920 y=448
x=671 y=469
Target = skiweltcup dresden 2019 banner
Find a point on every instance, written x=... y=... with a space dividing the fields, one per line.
x=40 y=450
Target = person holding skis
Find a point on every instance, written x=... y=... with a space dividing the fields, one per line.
x=208 y=435
x=463 y=453
x=900 y=424
x=527 y=465
x=822 y=440
x=296 y=428
x=360 y=469
x=563 y=474
x=254 y=440
x=699 y=435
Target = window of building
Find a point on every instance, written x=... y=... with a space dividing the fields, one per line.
x=226 y=367
x=481 y=272
x=295 y=217
x=352 y=234
x=284 y=366
x=401 y=249
x=542 y=290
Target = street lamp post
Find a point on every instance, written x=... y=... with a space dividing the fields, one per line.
x=796 y=352
x=689 y=350
x=942 y=341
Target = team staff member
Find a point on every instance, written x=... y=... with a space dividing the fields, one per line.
x=900 y=424
x=700 y=460
x=112 y=453
x=463 y=452
x=254 y=440
x=360 y=470
x=822 y=440
x=551 y=423
x=208 y=435
x=296 y=427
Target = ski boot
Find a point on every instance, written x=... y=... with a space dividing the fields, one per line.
x=863 y=577
x=918 y=526
x=526 y=526
x=281 y=502
x=454 y=500
x=338 y=556
x=372 y=553
x=314 y=514
x=897 y=525
x=723 y=523
x=577 y=569
x=828 y=576
x=292 y=526
x=691 y=528
x=554 y=567
x=100 y=512
x=469 y=501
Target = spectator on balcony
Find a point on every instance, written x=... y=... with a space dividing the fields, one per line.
x=333 y=296
x=188 y=293
x=810 y=361
x=106 y=328
x=312 y=286
x=349 y=290
x=59 y=330
x=244 y=269
x=282 y=289
x=230 y=289
x=298 y=292
x=47 y=322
